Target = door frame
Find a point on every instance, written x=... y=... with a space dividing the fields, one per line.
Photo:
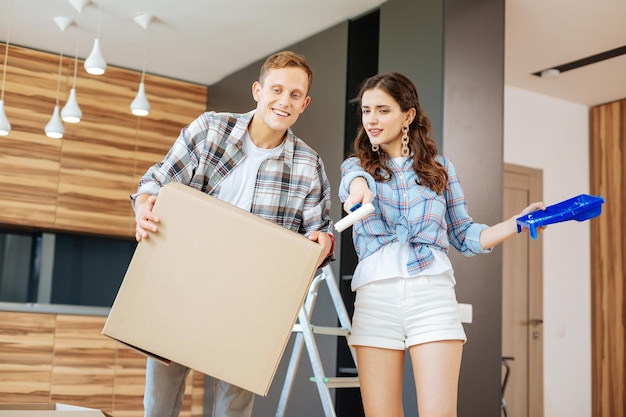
x=532 y=180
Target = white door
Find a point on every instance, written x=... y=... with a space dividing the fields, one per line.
x=522 y=300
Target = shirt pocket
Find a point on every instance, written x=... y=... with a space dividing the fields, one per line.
x=428 y=207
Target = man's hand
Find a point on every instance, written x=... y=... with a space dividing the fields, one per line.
x=144 y=217
x=325 y=240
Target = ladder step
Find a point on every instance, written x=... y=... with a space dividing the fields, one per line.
x=332 y=331
x=307 y=338
x=339 y=382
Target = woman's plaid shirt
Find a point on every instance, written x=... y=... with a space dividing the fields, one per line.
x=411 y=213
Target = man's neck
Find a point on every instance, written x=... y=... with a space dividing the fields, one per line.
x=263 y=137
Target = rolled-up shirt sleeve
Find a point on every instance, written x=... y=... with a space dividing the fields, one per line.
x=351 y=169
x=180 y=163
x=463 y=232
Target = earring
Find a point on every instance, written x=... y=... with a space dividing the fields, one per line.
x=405 y=141
x=374 y=148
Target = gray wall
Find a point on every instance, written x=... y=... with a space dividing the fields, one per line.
x=322 y=127
x=473 y=138
x=454 y=51
x=412 y=43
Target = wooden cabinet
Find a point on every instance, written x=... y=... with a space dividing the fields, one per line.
x=57 y=358
x=27 y=348
x=82 y=182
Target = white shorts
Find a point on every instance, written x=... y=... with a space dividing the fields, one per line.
x=400 y=312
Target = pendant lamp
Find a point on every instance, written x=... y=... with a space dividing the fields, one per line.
x=140 y=105
x=54 y=129
x=95 y=63
x=71 y=112
x=5 y=126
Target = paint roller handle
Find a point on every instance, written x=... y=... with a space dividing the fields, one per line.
x=353 y=217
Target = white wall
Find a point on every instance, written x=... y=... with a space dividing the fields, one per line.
x=553 y=135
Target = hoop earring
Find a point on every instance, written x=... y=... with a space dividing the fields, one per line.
x=374 y=148
x=405 y=141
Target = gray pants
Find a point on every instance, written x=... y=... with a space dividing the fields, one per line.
x=165 y=386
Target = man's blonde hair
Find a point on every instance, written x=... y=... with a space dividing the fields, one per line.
x=286 y=59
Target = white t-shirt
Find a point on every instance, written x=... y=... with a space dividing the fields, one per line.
x=390 y=262
x=238 y=187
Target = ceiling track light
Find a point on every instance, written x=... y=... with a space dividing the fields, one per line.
x=5 y=126
x=550 y=73
x=140 y=105
x=95 y=63
x=554 y=72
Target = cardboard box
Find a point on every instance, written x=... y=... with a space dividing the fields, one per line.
x=217 y=289
x=48 y=410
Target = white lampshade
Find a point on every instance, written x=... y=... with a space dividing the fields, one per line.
x=54 y=129
x=95 y=63
x=79 y=5
x=5 y=126
x=140 y=105
x=71 y=112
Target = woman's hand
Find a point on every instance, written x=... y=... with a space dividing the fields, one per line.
x=533 y=207
x=539 y=205
x=496 y=234
x=359 y=193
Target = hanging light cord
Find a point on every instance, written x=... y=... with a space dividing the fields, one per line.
x=6 y=50
x=76 y=55
x=76 y=61
x=60 y=69
x=99 y=11
x=143 y=69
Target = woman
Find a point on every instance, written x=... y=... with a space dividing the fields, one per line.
x=404 y=281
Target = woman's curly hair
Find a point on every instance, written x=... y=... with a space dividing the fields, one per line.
x=423 y=148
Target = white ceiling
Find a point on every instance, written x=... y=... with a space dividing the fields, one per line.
x=204 y=40
x=545 y=33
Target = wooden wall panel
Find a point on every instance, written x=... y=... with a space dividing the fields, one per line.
x=82 y=182
x=97 y=157
x=130 y=374
x=197 y=394
x=29 y=161
x=49 y=358
x=26 y=350
x=83 y=363
x=608 y=254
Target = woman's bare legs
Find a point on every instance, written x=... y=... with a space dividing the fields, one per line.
x=380 y=378
x=436 y=368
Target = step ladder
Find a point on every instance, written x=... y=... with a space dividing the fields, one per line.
x=305 y=336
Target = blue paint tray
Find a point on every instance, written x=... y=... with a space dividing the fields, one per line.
x=579 y=208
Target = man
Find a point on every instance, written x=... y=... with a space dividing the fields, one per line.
x=254 y=161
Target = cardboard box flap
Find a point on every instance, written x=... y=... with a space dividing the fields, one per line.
x=217 y=289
